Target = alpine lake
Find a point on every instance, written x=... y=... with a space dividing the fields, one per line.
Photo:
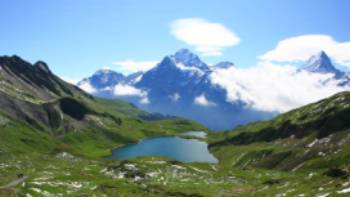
x=186 y=147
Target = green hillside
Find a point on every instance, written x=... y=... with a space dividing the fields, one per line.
x=314 y=136
x=39 y=104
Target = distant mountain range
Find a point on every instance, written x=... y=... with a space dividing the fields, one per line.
x=181 y=85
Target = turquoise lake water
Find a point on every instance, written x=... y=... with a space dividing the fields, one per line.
x=176 y=148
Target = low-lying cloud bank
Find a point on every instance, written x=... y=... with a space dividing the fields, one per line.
x=87 y=87
x=128 y=90
x=275 y=88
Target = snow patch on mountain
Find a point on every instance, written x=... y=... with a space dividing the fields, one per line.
x=191 y=70
x=189 y=59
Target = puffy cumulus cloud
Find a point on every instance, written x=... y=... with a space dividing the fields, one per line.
x=206 y=37
x=203 y=101
x=300 y=48
x=274 y=88
x=127 y=90
x=87 y=87
x=132 y=66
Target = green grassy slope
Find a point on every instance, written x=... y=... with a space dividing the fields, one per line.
x=312 y=137
x=38 y=104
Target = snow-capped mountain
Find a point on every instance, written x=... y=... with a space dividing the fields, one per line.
x=103 y=82
x=189 y=59
x=182 y=85
x=179 y=70
x=103 y=79
x=133 y=78
x=321 y=63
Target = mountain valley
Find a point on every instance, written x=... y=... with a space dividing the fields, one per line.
x=55 y=139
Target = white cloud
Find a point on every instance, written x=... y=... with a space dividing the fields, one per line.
x=206 y=37
x=87 y=87
x=127 y=90
x=144 y=100
x=175 y=97
x=270 y=87
x=300 y=48
x=203 y=101
x=132 y=66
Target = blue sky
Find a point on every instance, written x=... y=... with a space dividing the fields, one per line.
x=78 y=37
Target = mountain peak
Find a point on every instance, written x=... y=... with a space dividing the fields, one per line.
x=18 y=65
x=189 y=59
x=105 y=71
x=103 y=78
x=321 y=63
x=322 y=53
x=42 y=66
x=185 y=55
x=183 y=51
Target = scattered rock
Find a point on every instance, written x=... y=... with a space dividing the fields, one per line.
x=272 y=182
x=344 y=191
x=337 y=173
x=64 y=156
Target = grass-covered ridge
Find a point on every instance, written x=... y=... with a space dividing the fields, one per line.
x=312 y=137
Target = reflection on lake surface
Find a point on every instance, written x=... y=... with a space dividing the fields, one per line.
x=199 y=134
